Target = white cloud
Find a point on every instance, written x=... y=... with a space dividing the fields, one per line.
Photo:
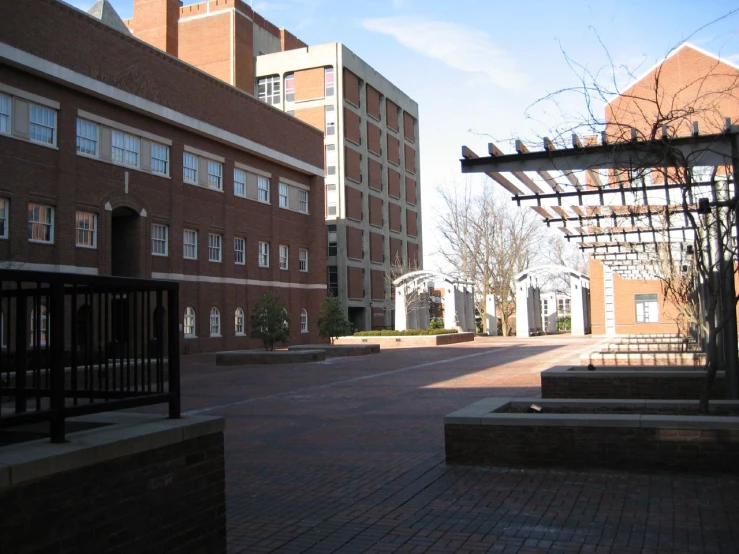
x=458 y=46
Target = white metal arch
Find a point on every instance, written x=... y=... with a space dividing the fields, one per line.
x=550 y=268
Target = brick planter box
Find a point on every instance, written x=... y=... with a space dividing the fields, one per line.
x=644 y=358
x=264 y=357
x=478 y=435
x=648 y=382
x=420 y=340
x=338 y=350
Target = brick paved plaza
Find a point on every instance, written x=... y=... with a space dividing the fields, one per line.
x=347 y=455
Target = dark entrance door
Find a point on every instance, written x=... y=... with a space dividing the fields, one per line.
x=125 y=244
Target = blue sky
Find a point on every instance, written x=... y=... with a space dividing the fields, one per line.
x=475 y=66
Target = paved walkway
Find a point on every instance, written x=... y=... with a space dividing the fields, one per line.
x=347 y=455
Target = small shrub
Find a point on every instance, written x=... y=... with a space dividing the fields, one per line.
x=436 y=323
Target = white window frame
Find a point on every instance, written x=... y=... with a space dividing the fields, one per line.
x=82 y=217
x=190 y=172
x=159 y=238
x=263 y=189
x=215 y=247
x=191 y=246
x=41 y=122
x=331 y=159
x=303 y=260
x=269 y=89
x=284 y=257
x=329 y=91
x=4 y=218
x=239 y=250
x=263 y=258
x=5 y=113
x=303 y=201
x=43 y=324
x=215 y=175
x=161 y=158
x=189 y=324
x=128 y=150
x=35 y=224
x=330 y=120
x=290 y=91
x=239 y=322
x=283 y=198
x=88 y=138
x=646 y=307
x=303 y=320
x=215 y=322
x=240 y=180
x=331 y=200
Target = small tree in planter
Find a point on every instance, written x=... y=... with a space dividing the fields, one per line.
x=332 y=322
x=270 y=321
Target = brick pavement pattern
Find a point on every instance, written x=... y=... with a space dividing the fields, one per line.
x=347 y=456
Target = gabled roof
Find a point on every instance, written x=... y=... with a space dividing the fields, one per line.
x=103 y=11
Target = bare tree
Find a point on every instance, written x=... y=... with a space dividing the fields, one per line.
x=416 y=297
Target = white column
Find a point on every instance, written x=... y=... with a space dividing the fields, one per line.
x=491 y=320
x=469 y=298
x=400 y=309
x=450 y=307
x=577 y=307
x=522 y=308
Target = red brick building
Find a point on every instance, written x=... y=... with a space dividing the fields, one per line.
x=119 y=159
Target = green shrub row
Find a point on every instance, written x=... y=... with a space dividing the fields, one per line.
x=406 y=333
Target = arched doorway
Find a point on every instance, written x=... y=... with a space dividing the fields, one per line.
x=126 y=243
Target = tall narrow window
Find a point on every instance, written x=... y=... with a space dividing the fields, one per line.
x=190 y=168
x=159 y=158
x=86 y=229
x=39 y=326
x=268 y=89
x=289 y=87
x=240 y=182
x=333 y=247
x=331 y=200
x=329 y=80
x=4 y=114
x=263 y=254
x=303 y=259
x=262 y=189
x=330 y=121
x=42 y=125
x=125 y=148
x=215 y=322
x=283 y=195
x=87 y=137
x=303 y=201
x=159 y=240
x=189 y=324
x=284 y=250
x=215 y=175
x=239 y=251
x=190 y=244
x=4 y=204
x=303 y=320
x=239 y=321
x=214 y=247
x=40 y=223
x=330 y=159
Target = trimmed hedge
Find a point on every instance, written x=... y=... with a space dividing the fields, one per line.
x=406 y=333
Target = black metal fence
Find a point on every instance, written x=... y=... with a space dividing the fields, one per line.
x=78 y=344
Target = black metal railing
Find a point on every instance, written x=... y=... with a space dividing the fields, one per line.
x=75 y=344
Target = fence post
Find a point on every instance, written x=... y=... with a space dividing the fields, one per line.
x=56 y=363
x=21 y=350
x=173 y=350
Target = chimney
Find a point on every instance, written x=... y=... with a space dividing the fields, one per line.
x=156 y=22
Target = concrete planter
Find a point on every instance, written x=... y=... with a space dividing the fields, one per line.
x=419 y=340
x=644 y=358
x=264 y=357
x=338 y=350
x=484 y=434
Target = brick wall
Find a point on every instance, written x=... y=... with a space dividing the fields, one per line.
x=393 y=149
x=396 y=249
x=313 y=116
x=409 y=127
x=393 y=183
x=374 y=136
x=171 y=499
x=375 y=210
x=377 y=248
x=378 y=284
x=410 y=158
x=352 y=164
x=413 y=260
x=410 y=191
x=206 y=44
x=351 y=87
x=288 y=41
x=155 y=22
x=687 y=387
x=412 y=222
x=355 y=282
x=354 y=246
x=373 y=102
x=374 y=169
x=310 y=84
x=391 y=115
x=353 y=199
x=394 y=216
x=352 y=124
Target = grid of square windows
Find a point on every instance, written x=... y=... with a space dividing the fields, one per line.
x=40 y=223
x=329 y=81
x=42 y=126
x=215 y=242
x=284 y=255
x=87 y=137
x=190 y=244
x=290 y=87
x=125 y=148
x=283 y=196
x=240 y=182
x=189 y=168
x=262 y=189
x=86 y=229
x=4 y=114
x=330 y=121
x=159 y=240
x=215 y=175
x=268 y=89
x=303 y=259
x=159 y=158
x=239 y=251
x=330 y=159
x=263 y=254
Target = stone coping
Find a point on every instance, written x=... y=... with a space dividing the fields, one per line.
x=603 y=372
x=483 y=411
x=337 y=350
x=265 y=357
x=123 y=434
x=410 y=340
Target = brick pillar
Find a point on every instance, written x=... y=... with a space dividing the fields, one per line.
x=156 y=22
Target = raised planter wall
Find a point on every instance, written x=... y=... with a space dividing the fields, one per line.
x=655 y=382
x=420 y=340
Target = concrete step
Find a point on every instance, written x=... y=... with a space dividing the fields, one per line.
x=643 y=358
x=649 y=347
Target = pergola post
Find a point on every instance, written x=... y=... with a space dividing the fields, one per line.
x=491 y=320
x=577 y=306
x=400 y=309
x=522 y=307
x=450 y=307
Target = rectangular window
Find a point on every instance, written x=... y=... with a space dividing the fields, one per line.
x=42 y=125
x=263 y=254
x=303 y=201
x=330 y=159
x=125 y=149
x=240 y=183
x=190 y=168
x=329 y=80
x=284 y=250
x=4 y=218
x=332 y=241
x=215 y=175
x=159 y=240
x=268 y=89
x=262 y=189
x=283 y=195
x=87 y=137
x=239 y=251
x=330 y=121
x=303 y=259
x=87 y=227
x=159 y=158
x=40 y=223
x=331 y=200
x=190 y=244
x=214 y=247
x=4 y=114
x=647 y=308
x=290 y=87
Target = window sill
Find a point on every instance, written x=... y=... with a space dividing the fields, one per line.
x=187 y=337
x=50 y=243
x=190 y=259
x=160 y=255
x=86 y=247
x=263 y=267
x=124 y=166
x=215 y=261
x=239 y=263
x=240 y=334
x=304 y=331
x=216 y=336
